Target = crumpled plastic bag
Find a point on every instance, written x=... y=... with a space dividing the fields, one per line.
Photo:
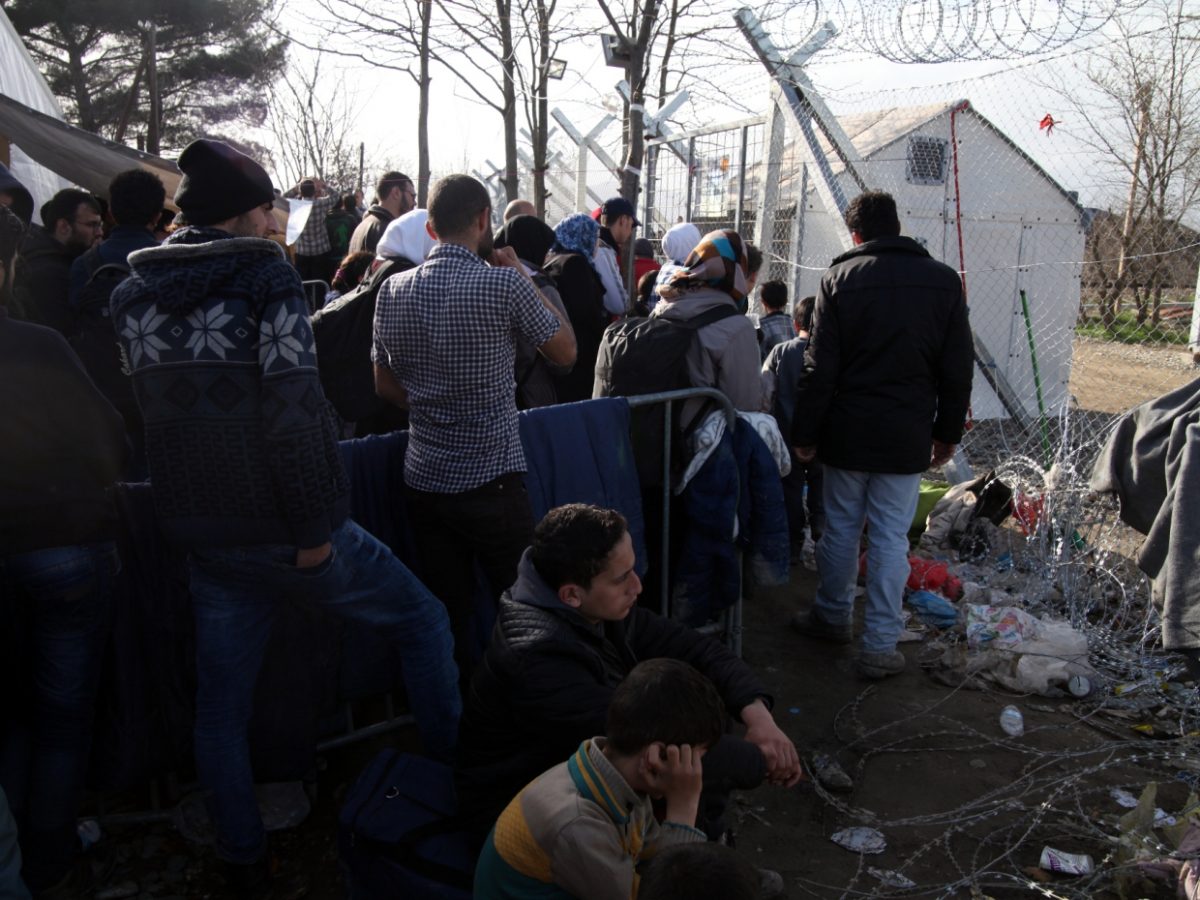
x=933 y=609
x=1000 y=626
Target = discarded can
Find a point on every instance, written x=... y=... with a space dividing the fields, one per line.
x=860 y=840
x=89 y=833
x=1065 y=863
x=1079 y=685
x=1012 y=722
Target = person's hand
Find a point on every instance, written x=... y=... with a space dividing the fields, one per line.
x=677 y=776
x=308 y=557
x=506 y=257
x=941 y=453
x=783 y=762
x=805 y=454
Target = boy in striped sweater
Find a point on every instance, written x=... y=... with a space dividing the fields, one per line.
x=582 y=828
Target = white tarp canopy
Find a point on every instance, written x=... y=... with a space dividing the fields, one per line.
x=21 y=80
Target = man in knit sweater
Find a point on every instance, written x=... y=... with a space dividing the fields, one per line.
x=247 y=475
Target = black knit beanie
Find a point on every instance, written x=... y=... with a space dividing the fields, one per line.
x=219 y=183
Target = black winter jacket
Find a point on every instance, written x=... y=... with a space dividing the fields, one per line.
x=583 y=298
x=889 y=363
x=546 y=680
x=42 y=284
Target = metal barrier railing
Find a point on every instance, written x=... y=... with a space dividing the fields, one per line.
x=729 y=627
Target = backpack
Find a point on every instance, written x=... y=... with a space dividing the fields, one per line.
x=339 y=226
x=536 y=368
x=399 y=834
x=649 y=356
x=343 y=331
x=94 y=339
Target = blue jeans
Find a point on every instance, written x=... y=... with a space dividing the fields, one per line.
x=887 y=503
x=235 y=593
x=63 y=597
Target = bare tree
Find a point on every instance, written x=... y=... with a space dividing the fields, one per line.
x=312 y=119
x=393 y=36
x=1140 y=109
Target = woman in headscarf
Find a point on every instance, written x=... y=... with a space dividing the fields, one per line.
x=725 y=353
x=570 y=265
x=676 y=245
x=531 y=239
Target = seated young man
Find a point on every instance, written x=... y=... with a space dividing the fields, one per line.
x=566 y=634
x=584 y=826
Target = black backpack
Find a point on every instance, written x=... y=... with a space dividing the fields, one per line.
x=649 y=356
x=343 y=331
x=94 y=340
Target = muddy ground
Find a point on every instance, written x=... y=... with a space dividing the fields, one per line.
x=965 y=810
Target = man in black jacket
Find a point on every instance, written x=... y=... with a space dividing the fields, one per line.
x=567 y=633
x=394 y=196
x=887 y=377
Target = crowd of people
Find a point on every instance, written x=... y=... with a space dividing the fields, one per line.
x=194 y=360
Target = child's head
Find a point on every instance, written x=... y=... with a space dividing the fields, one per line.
x=697 y=871
x=773 y=295
x=584 y=553
x=803 y=313
x=663 y=702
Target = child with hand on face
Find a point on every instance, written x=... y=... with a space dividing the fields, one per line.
x=582 y=828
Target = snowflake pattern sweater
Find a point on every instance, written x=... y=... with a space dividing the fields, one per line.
x=239 y=437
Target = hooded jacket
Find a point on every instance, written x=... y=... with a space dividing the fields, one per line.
x=239 y=438
x=889 y=360
x=41 y=287
x=546 y=680
x=366 y=236
x=406 y=238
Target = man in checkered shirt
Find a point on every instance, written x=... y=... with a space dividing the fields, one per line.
x=312 y=247
x=445 y=344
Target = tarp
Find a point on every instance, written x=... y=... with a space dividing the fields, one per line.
x=87 y=159
x=21 y=80
x=81 y=157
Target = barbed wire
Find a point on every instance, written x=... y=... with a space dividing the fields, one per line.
x=1079 y=263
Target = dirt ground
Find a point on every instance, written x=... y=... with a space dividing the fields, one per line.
x=1110 y=377
x=965 y=810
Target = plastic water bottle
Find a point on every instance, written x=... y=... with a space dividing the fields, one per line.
x=1012 y=722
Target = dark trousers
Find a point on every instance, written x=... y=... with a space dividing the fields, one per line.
x=63 y=598
x=794 y=502
x=489 y=526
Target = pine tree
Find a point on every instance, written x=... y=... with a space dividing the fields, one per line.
x=166 y=69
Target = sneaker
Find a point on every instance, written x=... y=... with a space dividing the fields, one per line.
x=770 y=884
x=880 y=665
x=811 y=625
x=832 y=776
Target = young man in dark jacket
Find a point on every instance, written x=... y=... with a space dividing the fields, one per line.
x=247 y=475
x=62 y=446
x=567 y=632
x=883 y=396
x=394 y=196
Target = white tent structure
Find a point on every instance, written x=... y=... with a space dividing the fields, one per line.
x=21 y=80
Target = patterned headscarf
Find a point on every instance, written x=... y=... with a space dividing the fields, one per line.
x=577 y=234
x=718 y=261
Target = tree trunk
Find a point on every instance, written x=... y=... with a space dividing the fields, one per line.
x=423 y=174
x=79 y=87
x=541 y=112
x=155 y=123
x=511 y=178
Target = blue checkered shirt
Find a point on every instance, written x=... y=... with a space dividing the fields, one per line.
x=776 y=328
x=447 y=330
x=314 y=239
